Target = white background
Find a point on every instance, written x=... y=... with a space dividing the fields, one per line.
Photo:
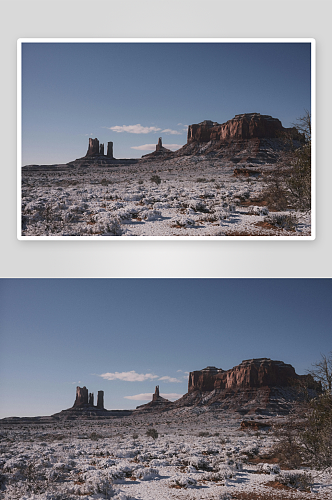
x=180 y=19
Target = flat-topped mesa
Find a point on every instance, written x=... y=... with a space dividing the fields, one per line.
x=253 y=373
x=244 y=126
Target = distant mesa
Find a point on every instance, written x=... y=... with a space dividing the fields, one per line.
x=258 y=385
x=253 y=373
x=244 y=126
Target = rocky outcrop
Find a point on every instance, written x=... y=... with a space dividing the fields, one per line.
x=100 y=400
x=84 y=399
x=81 y=396
x=245 y=139
x=156 y=395
x=97 y=150
x=110 y=149
x=261 y=386
x=253 y=373
x=93 y=149
x=158 y=403
x=160 y=152
x=245 y=126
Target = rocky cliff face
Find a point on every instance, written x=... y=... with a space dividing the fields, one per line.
x=254 y=373
x=81 y=396
x=245 y=126
x=86 y=399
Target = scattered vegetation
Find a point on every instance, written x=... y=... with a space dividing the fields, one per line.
x=289 y=185
x=156 y=179
x=152 y=433
x=282 y=221
x=310 y=442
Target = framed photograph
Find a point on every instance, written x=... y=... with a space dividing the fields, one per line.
x=209 y=139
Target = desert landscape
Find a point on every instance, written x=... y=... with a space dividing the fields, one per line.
x=229 y=437
x=219 y=184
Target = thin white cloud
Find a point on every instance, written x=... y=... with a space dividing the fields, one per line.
x=144 y=147
x=134 y=129
x=173 y=146
x=172 y=132
x=148 y=396
x=166 y=378
x=152 y=147
x=131 y=376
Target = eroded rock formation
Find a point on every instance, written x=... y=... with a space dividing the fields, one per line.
x=98 y=150
x=81 y=396
x=159 y=152
x=91 y=399
x=110 y=150
x=85 y=399
x=100 y=400
x=253 y=373
x=93 y=147
x=158 y=403
x=245 y=126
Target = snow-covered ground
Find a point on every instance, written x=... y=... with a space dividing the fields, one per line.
x=186 y=196
x=198 y=454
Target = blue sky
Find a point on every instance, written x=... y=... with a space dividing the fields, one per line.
x=133 y=93
x=125 y=336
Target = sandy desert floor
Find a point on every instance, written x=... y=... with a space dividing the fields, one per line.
x=185 y=196
x=200 y=453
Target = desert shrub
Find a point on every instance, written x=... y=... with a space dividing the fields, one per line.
x=152 y=433
x=255 y=210
x=310 y=441
x=181 y=221
x=94 y=436
x=282 y=221
x=155 y=178
x=289 y=185
x=317 y=436
x=297 y=480
x=182 y=482
x=288 y=449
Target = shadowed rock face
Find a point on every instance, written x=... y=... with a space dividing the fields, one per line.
x=262 y=372
x=81 y=396
x=245 y=126
x=100 y=400
x=93 y=147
